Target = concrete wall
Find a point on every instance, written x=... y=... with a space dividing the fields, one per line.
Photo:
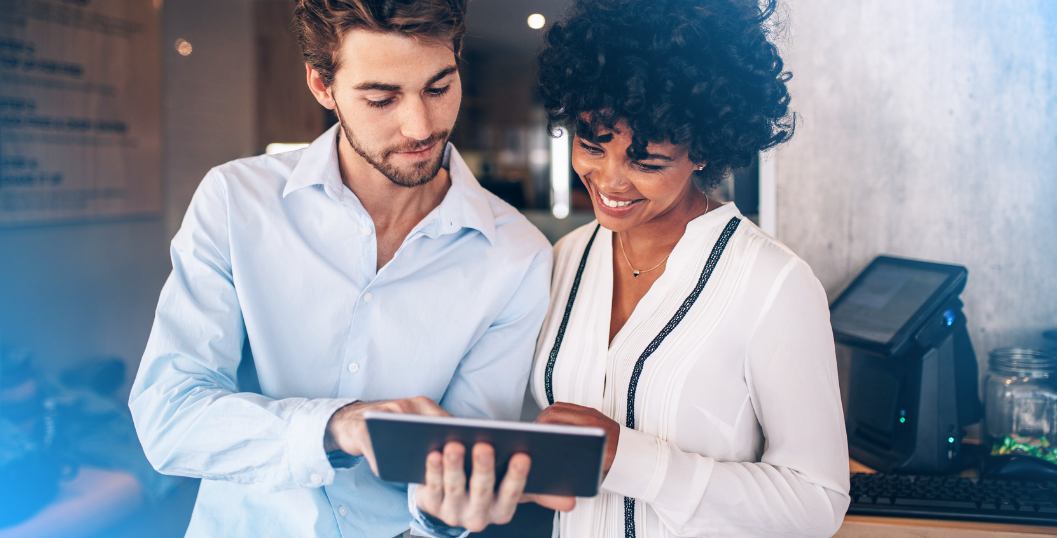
x=929 y=130
x=73 y=291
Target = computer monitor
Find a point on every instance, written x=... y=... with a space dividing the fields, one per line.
x=913 y=379
x=889 y=299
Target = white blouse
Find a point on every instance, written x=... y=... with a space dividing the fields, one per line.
x=738 y=423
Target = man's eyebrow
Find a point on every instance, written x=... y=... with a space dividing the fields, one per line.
x=443 y=73
x=379 y=86
x=383 y=87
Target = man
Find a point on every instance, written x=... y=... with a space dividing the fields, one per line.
x=369 y=267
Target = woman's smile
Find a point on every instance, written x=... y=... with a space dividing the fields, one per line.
x=630 y=192
x=614 y=204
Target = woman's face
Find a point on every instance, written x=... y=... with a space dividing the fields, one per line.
x=627 y=193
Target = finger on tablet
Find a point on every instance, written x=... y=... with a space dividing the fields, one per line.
x=368 y=455
x=454 y=483
x=554 y=502
x=477 y=514
x=363 y=440
x=425 y=406
x=431 y=494
x=511 y=488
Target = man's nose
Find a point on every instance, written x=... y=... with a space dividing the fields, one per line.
x=417 y=123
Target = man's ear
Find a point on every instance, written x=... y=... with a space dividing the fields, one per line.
x=319 y=90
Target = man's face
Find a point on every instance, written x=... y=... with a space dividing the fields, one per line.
x=397 y=98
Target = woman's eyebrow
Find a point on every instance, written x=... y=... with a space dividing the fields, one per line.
x=654 y=156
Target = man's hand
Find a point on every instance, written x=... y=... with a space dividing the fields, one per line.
x=347 y=431
x=445 y=494
x=578 y=415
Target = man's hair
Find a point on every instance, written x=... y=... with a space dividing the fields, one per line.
x=703 y=73
x=321 y=25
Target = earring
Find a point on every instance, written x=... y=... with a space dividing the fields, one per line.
x=702 y=167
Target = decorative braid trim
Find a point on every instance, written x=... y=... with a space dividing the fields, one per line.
x=629 y=517
x=549 y=373
x=706 y=273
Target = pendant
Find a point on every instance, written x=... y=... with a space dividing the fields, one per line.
x=636 y=273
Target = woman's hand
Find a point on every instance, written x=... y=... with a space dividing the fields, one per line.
x=578 y=415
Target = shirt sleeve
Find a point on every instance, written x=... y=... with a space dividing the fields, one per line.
x=800 y=485
x=491 y=378
x=189 y=414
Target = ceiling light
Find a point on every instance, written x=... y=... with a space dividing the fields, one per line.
x=183 y=47
x=536 y=21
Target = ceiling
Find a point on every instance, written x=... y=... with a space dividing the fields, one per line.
x=503 y=23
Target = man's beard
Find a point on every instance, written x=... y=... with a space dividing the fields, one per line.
x=421 y=173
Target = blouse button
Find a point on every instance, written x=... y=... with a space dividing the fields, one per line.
x=353 y=367
x=367 y=297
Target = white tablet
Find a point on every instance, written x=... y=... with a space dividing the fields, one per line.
x=566 y=460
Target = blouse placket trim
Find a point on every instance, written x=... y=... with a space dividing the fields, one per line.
x=706 y=273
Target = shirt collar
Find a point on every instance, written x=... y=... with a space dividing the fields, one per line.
x=319 y=160
x=464 y=206
x=718 y=217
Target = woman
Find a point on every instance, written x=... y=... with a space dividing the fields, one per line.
x=698 y=342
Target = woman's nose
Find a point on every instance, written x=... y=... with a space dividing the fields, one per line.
x=608 y=177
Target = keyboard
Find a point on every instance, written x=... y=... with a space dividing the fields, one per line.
x=953 y=497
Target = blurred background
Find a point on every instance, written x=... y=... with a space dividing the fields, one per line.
x=925 y=130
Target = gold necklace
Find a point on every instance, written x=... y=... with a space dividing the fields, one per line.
x=635 y=272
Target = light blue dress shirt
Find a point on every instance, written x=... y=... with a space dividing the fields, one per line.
x=276 y=254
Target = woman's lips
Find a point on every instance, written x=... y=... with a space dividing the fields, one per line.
x=614 y=207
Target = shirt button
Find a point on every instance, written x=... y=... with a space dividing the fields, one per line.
x=353 y=367
x=366 y=230
x=367 y=297
x=316 y=478
x=343 y=511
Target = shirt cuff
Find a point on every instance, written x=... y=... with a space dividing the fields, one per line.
x=639 y=466
x=343 y=460
x=423 y=525
x=309 y=464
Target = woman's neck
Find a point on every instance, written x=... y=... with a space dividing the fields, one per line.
x=657 y=237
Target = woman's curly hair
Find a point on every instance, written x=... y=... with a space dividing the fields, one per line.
x=701 y=73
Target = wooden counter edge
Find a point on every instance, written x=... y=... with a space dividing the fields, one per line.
x=944 y=525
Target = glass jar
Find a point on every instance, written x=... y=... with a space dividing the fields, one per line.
x=1020 y=395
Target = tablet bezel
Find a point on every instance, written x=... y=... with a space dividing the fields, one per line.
x=395 y=460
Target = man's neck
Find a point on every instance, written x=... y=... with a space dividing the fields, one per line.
x=395 y=209
x=389 y=205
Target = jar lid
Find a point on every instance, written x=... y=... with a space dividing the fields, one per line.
x=1024 y=359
